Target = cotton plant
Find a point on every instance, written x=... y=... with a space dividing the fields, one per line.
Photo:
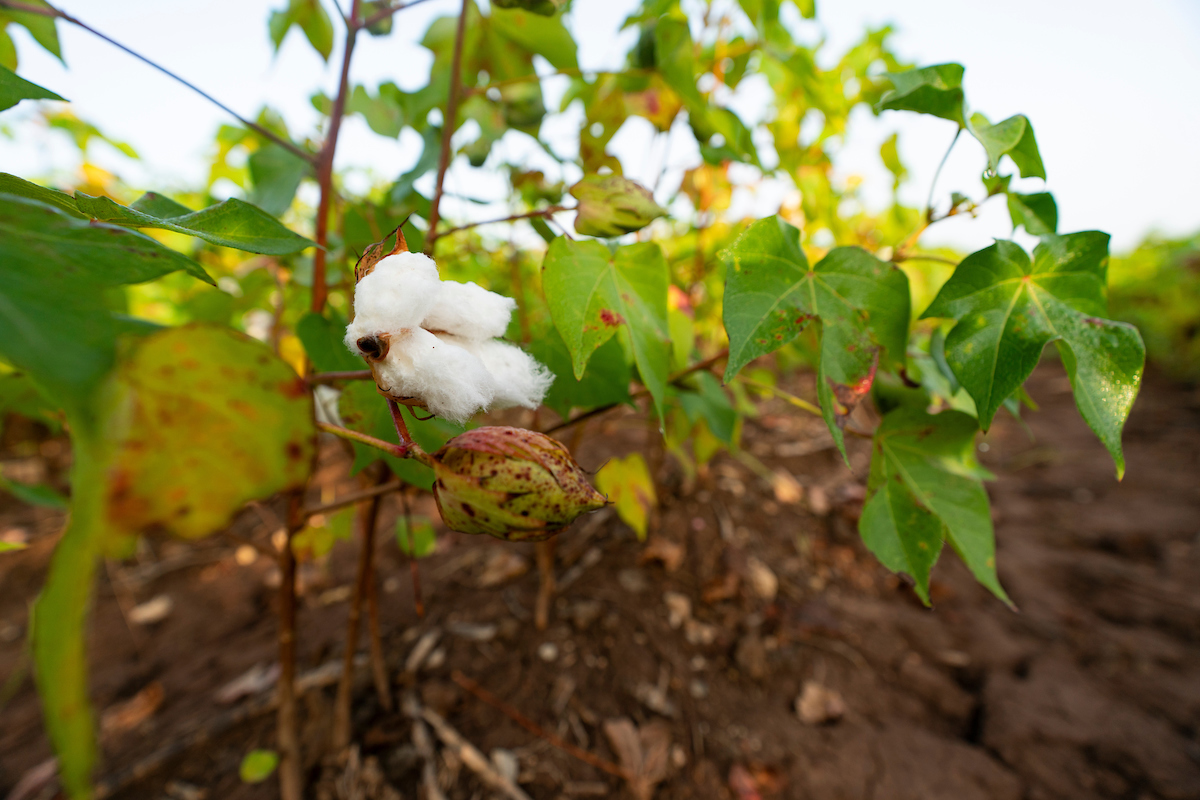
x=435 y=343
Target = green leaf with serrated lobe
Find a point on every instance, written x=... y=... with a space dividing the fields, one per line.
x=771 y=295
x=925 y=487
x=593 y=292
x=1008 y=308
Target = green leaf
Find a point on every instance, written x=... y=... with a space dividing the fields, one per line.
x=54 y=270
x=157 y=205
x=1037 y=212
x=1012 y=137
x=710 y=403
x=925 y=487
x=20 y=395
x=201 y=420
x=544 y=8
x=604 y=382
x=14 y=89
x=626 y=483
x=258 y=765
x=34 y=495
x=40 y=26
x=276 y=174
x=890 y=153
x=1008 y=308
x=771 y=295
x=675 y=58
x=230 y=223
x=544 y=36
x=311 y=17
x=610 y=205
x=421 y=541
x=322 y=340
x=593 y=292
x=11 y=184
x=935 y=90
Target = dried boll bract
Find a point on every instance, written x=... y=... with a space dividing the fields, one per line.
x=434 y=343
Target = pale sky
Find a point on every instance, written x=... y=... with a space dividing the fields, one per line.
x=1111 y=92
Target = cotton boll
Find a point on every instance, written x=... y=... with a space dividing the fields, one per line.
x=520 y=379
x=443 y=377
x=469 y=311
x=399 y=293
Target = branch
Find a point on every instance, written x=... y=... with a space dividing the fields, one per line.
x=353 y=497
x=901 y=257
x=545 y=212
x=334 y=377
x=447 y=127
x=325 y=165
x=381 y=15
x=678 y=376
x=50 y=11
x=396 y=450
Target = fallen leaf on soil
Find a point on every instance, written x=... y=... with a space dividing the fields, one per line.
x=787 y=489
x=254 y=680
x=679 y=608
x=669 y=554
x=742 y=783
x=151 y=611
x=762 y=579
x=818 y=704
x=502 y=565
x=134 y=711
x=644 y=753
x=722 y=588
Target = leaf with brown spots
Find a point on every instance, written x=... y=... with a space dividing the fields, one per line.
x=197 y=426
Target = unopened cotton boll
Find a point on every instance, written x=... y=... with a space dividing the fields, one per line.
x=469 y=311
x=520 y=380
x=399 y=293
x=445 y=378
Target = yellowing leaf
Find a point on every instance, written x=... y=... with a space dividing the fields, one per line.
x=627 y=484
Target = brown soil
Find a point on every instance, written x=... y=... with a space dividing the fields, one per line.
x=1092 y=689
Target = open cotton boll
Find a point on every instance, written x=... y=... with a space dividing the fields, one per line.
x=443 y=377
x=399 y=293
x=520 y=379
x=469 y=311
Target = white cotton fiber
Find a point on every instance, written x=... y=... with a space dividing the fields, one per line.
x=469 y=311
x=398 y=294
x=520 y=380
x=445 y=378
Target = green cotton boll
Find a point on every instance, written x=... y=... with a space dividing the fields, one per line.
x=510 y=483
x=612 y=205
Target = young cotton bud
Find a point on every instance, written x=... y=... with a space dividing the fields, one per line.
x=511 y=483
x=470 y=311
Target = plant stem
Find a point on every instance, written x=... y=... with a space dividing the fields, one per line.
x=399 y=451
x=378 y=665
x=938 y=172
x=413 y=567
x=366 y=516
x=448 y=124
x=354 y=497
x=291 y=784
x=782 y=395
x=545 y=212
x=398 y=421
x=546 y=586
x=325 y=164
x=334 y=377
x=381 y=15
x=50 y=11
x=923 y=257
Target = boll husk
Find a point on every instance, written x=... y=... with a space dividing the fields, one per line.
x=511 y=483
x=434 y=343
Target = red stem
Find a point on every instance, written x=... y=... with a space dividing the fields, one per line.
x=325 y=165
x=448 y=124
